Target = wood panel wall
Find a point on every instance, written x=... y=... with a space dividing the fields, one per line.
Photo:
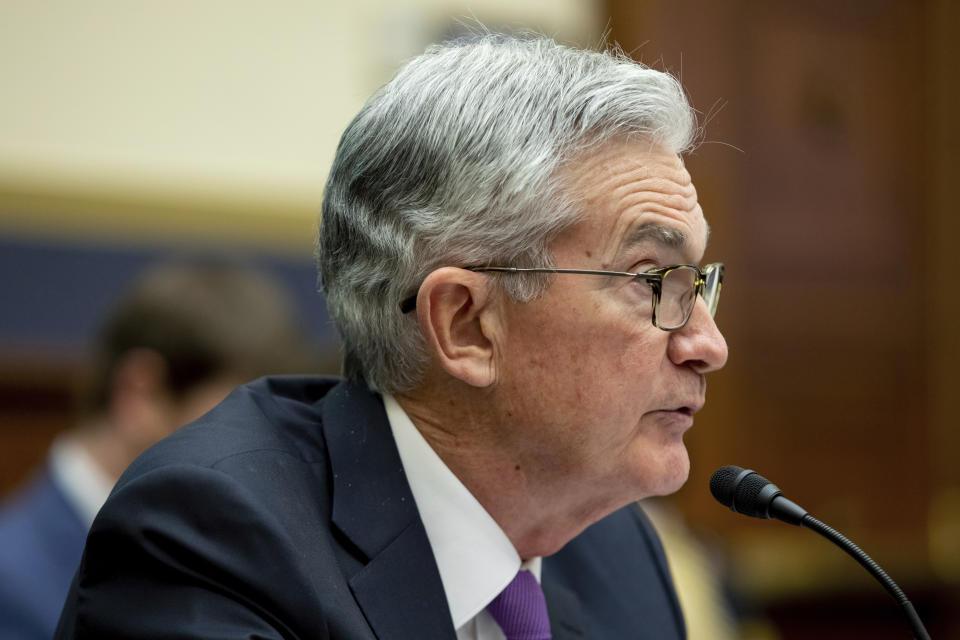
x=37 y=401
x=829 y=158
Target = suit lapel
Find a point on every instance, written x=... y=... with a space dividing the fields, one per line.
x=399 y=588
x=563 y=607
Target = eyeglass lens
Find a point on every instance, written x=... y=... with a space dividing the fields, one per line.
x=677 y=298
x=679 y=294
x=713 y=278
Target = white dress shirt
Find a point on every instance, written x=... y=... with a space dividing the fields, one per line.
x=475 y=558
x=81 y=480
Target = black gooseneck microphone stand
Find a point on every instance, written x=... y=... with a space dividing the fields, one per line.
x=749 y=493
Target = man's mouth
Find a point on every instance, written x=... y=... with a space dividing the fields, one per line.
x=688 y=408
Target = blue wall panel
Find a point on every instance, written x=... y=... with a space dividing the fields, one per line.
x=58 y=294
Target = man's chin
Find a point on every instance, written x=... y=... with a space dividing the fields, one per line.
x=674 y=470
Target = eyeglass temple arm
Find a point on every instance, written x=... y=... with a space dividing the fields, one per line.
x=409 y=304
x=646 y=276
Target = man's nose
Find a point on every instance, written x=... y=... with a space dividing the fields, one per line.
x=699 y=343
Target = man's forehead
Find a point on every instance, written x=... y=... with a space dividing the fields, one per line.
x=634 y=195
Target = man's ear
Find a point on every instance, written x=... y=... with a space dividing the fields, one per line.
x=458 y=321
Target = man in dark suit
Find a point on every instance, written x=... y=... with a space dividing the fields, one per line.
x=507 y=247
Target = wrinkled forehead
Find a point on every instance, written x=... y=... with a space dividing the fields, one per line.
x=632 y=196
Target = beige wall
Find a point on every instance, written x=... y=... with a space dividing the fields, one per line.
x=213 y=105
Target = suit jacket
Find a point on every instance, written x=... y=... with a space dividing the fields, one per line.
x=285 y=513
x=41 y=539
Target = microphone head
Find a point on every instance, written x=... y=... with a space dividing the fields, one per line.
x=743 y=490
x=723 y=482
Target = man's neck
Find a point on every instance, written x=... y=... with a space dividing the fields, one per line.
x=539 y=510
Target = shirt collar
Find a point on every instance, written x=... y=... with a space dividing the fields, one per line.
x=475 y=557
x=81 y=480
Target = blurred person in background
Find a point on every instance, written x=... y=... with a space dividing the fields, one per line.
x=180 y=339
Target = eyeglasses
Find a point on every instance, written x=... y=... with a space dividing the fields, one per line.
x=675 y=289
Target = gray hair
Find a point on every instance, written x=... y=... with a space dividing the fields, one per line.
x=456 y=162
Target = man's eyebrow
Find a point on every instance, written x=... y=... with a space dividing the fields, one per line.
x=662 y=235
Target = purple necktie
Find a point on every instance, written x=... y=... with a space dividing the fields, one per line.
x=521 y=610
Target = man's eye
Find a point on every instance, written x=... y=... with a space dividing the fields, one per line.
x=644 y=267
x=642 y=286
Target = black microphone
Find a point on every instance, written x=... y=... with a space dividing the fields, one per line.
x=747 y=492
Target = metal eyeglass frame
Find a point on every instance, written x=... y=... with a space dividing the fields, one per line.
x=654 y=277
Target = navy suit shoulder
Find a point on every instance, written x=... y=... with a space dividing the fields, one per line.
x=226 y=530
x=270 y=414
